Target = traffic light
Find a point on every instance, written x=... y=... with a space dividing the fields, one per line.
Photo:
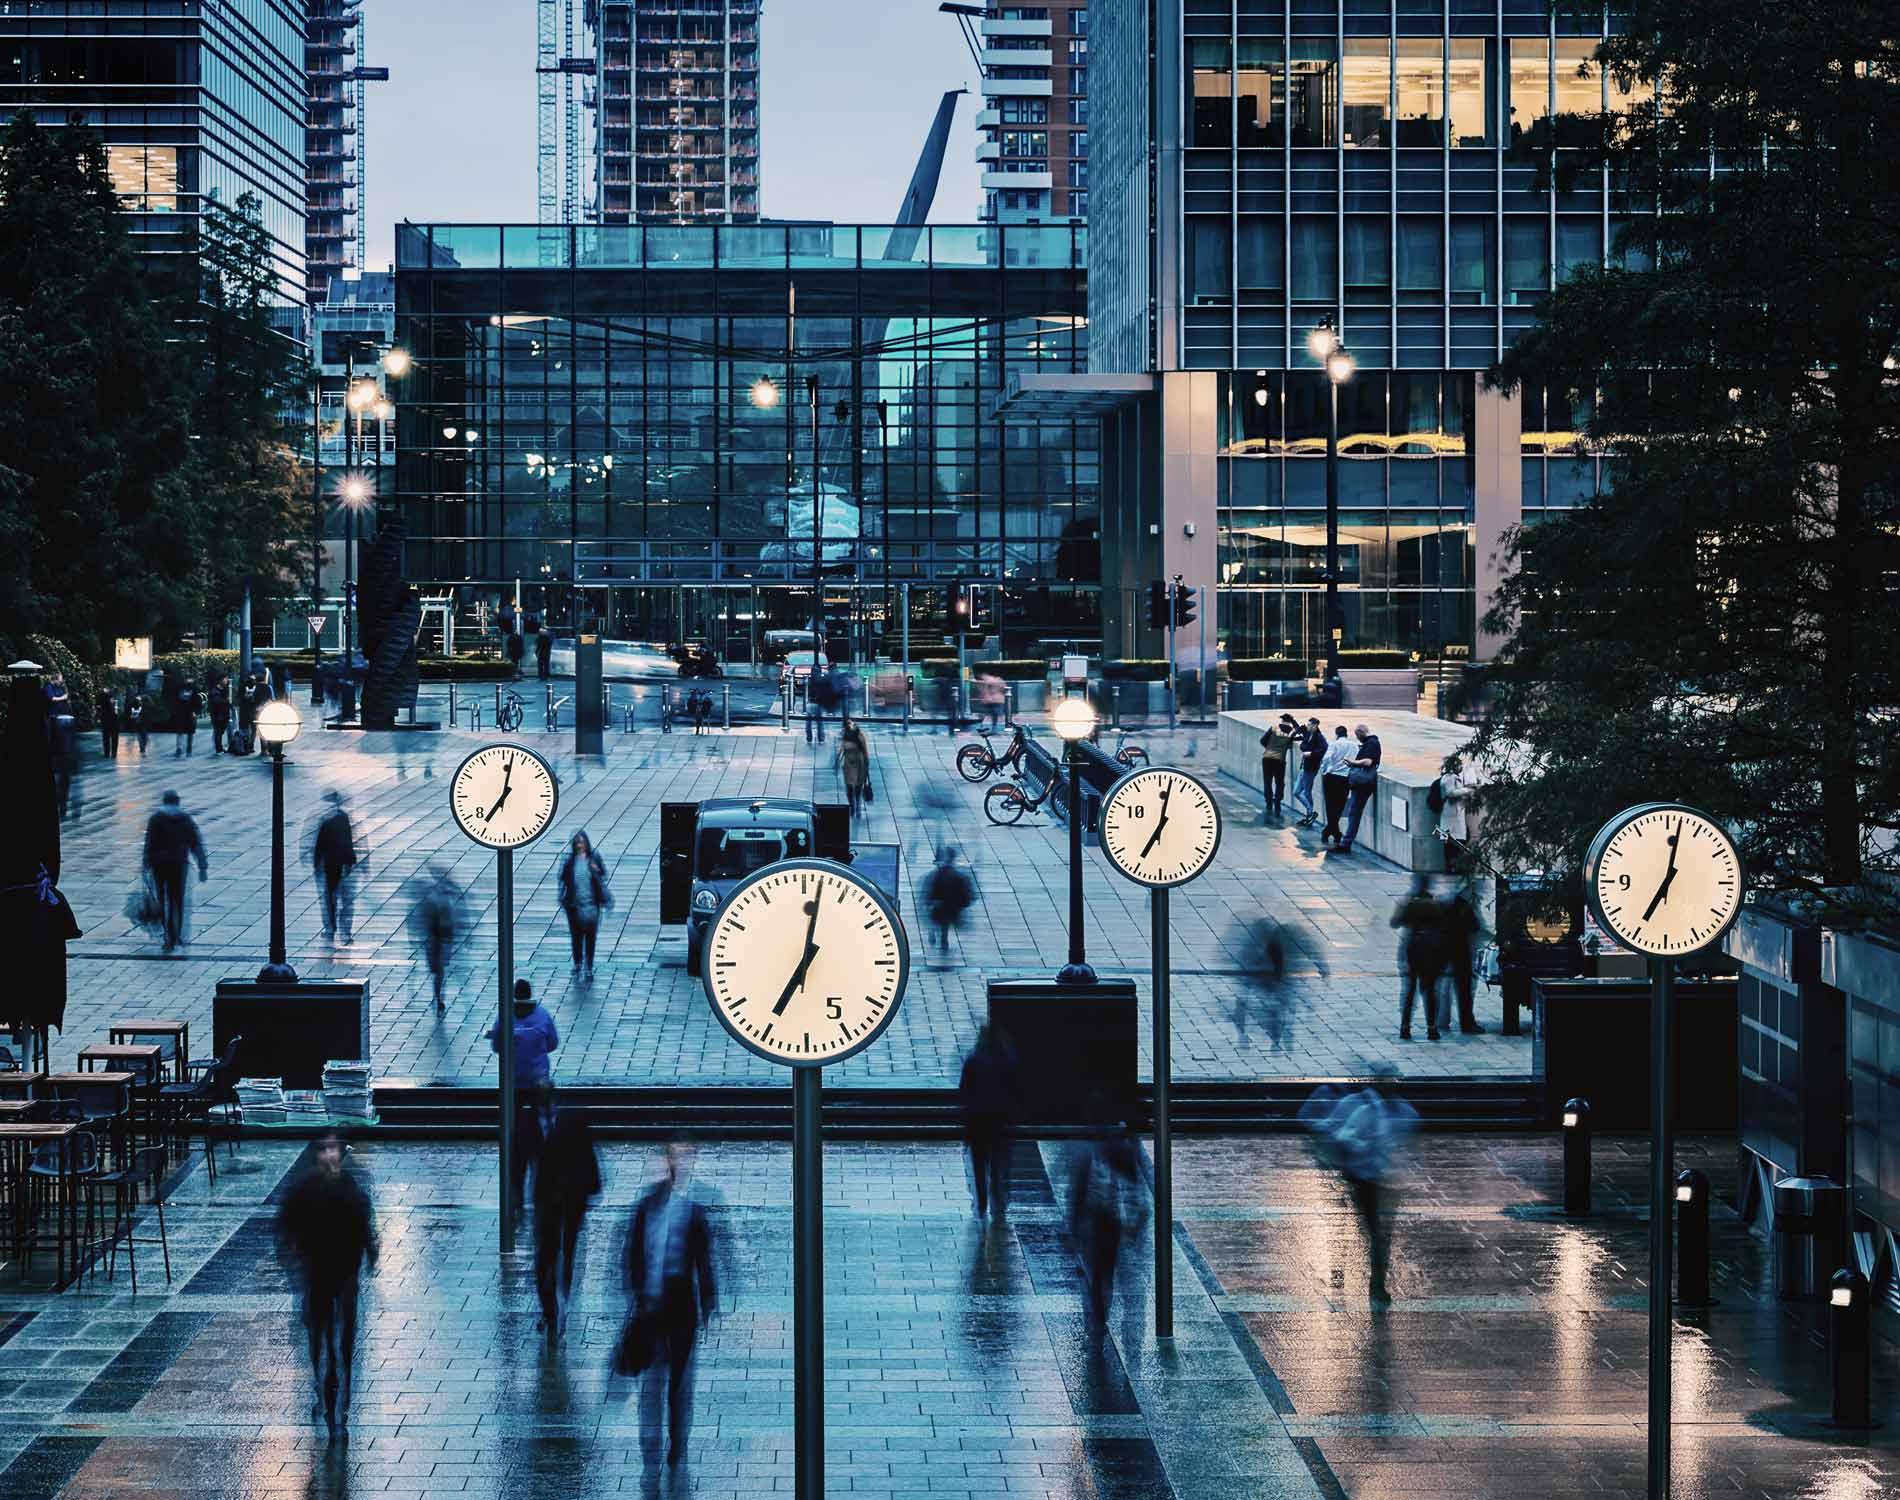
x=1157 y=605
x=960 y=604
x=1185 y=603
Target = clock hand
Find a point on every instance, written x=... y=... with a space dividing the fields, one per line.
x=497 y=807
x=1160 y=822
x=1662 y=891
x=507 y=782
x=797 y=981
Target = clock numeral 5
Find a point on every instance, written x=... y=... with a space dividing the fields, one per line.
x=834 y=1008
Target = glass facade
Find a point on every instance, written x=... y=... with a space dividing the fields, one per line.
x=618 y=420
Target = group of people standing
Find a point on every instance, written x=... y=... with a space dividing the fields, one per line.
x=1295 y=755
x=140 y=713
x=1437 y=934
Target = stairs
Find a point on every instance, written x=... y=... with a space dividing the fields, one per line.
x=391 y=616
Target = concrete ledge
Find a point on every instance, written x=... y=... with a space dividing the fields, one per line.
x=1398 y=825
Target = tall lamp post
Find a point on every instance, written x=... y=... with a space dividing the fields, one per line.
x=277 y=726
x=1324 y=345
x=355 y=494
x=1074 y=720
x=765 y=396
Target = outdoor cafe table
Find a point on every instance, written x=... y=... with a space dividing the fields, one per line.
x=17 y=1143
x=141 y=1057
x=178 y=1031
x=18 y=1083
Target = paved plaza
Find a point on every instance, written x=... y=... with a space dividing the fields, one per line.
x=958 y=1362
x=643 y=1019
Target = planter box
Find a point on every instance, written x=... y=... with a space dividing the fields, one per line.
x=1075 y=1046
x=1591 y=1041
x=291 y=1030
x=1031 y=697
x=1137 y=700
x=1379 y=687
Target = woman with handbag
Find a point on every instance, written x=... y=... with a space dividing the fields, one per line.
x=1362 y=780
x=854 y=763
x=584 y=895
x=1334 y=766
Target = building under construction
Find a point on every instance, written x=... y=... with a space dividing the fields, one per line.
x=334 y=225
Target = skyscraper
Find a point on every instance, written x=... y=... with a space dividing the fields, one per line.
x=1034 y=146
x=334 y=236
x=190 y=100
x=678 y=99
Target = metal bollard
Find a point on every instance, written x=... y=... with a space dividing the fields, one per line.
x=909 y=694
x=1220 y=695
x=1115 y=700
x=451 y=703
x=725 y=693
x=1576 y=1119
x=666 y=715
x=785 y=708
x=1009 y=705
x=1850 y=1314
x=1692 y=1239
x=498 y=703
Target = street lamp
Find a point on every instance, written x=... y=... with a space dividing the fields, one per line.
x=1324 y=345
x=355 y=494
x=1074 y=721
x=277 y=725
x=765 y=393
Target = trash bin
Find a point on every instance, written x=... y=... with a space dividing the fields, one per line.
x=1808 y=1236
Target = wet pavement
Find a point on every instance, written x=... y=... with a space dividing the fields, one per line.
x=1510 y=1361
x=643 y=1018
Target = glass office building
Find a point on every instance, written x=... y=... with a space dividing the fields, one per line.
x=616 y=422
x=1261 y=165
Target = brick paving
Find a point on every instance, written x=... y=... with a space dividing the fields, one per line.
x=643 y=1018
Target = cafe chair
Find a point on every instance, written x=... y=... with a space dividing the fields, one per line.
x=127 y=1185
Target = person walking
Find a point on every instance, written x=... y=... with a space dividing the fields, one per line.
x=1310 y=747
x=1102 y=1210
x=1274 y=745
x=992 y=695
x=218 y=701
x=543 y=653
x=566 y=1181
x=326 y=1230
x=246 y=715
x=584 y=895
x=1421 y=955
x=1362 y=780
x=1333 y=768
x=1447 y=799
x=62 y=734
x=189 y=705
x=949 y=891
x=1357 y=1135
x=513 y=645
x=434 y=919
x=336 y=858
x=1461 y=926
x=986 y=1092
x=535 y=1042
x=136 y=716
x=171 y=843
x=674 y=1293
x=854 y=764
x=105 y=708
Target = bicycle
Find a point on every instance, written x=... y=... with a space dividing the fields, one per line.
x=554 y=713
x=508 y=714
x=1131 y=756
x=980 y=762
x=1006 y=802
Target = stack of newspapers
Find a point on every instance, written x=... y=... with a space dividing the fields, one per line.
x=261 y=1100
x=346 y=1090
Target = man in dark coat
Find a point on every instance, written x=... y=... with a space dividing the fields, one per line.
x=987 y=1093
x=326 y=1230
x=566 y=1181
x=670 y=1271
x=171 y=843
x=218 y=699
x=336 y=859
x=106 y=708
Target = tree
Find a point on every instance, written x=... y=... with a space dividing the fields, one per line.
x=91 y=432
x=1721 y=625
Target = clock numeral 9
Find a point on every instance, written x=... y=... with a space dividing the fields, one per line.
x=1622 y=882
x=834 y=1009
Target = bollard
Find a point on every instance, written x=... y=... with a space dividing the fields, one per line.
x=666 y=710
x=725 y=694
x=498 y=703
x=1009 y=705
x=451 y=703
x=1850 y=1348
x=1577 y=1158
x=1115 y=705
x=910 y=698
x=785 y=708
x=1692 y=1239
x=1220 y=697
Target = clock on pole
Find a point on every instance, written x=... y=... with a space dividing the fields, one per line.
x=806 y=963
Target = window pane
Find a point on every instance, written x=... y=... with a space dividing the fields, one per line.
x=1421 y=77
x=1368 y=253
x=1313 y=94
x=1315 y=260
x=1579 y=83
x=1473 y=259
x=1530 y=85
x=1261 y=254
x=1261 y=86
x=1472 y=102
x=1421 y=254
x=1367 y=90
x=1579 y=244
x=1526 y=257
x=1210 y=89
x=1210 y=275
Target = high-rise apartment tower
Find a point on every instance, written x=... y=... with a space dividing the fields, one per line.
x=333 y=141
x=1034 y=146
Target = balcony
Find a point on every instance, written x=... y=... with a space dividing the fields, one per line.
x=1017 y=88
x=1037 y=57
x=1000 y=27
x=1004 y=179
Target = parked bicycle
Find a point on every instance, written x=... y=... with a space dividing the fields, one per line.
x=980 y=762
x=555 y=705
x=1130 y=755
x=508 y=715
x=1006 y=802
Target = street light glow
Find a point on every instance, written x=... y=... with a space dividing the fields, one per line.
x=355 y=490
x=385 y=409
x=1073 y=719
x=1321 y=342
x=278 y=722
x=765 y=392
x=1339 y=367
x=362 y=395
x=396 y=362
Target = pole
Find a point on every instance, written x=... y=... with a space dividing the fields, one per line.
x=244 y=628
x=505 y=1034
x=1662 y=1192
x=1174 y=589
x=350 y=476
x=884 y=463
x=808 y=1283
x=1076 y=959
x=1164 y=1142
x=316 y=531
x=817 y=534
x=278 y=970
x=1335 y=624
x=1200 y=672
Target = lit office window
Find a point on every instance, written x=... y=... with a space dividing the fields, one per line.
x=1210 y=94
x=1530 y=86
x=1579 y=80
x=1470 y=97
x=1421 y=86
x=1260 y=89
x=1312 y=94
x=146 y=177
x=1366 y=84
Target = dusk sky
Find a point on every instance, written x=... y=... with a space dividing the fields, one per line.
x=849 y=90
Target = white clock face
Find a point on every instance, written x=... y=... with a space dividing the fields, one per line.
x=1160 y=826
x=805 y=963
x=504 y=796
x=1665 y=879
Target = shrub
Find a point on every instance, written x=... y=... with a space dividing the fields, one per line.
x=1364 y=659
x=463 y=669
x=1265 y=669
x=1016 y=669
x=1135 y=670
x=81 y=683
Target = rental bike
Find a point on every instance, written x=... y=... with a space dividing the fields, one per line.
x=508 y=715
x=1007 y=801
x=980 y=762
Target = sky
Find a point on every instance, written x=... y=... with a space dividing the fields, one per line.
x=849 y=88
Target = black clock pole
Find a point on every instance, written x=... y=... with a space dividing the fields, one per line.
x=1662 y=1192
x=1164 y=1143
x=505 y=1036
x=808 y=1282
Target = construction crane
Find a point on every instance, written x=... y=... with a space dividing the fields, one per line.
x=558 y=99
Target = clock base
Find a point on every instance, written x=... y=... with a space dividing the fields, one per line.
x=1075 y=974
x=277 y=974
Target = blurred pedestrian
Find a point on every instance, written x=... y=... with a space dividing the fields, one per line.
x=1334 y=768
x=62 y=735
x=699 y=705
x=543 y=653
x=336 y=858
x=946 y=683
x=854 y=765
x=435 y=917
x=1461 y=926
x=992 y=696
x=1274 y=747
x=105 y=708
x=1447 y=799
x=136 y=716
x=513 y=647
x=584 y=896
x=1422 y=954
x=566 y=1182
x=1357 y=1134
x=986 y=1092
x=327 y=1230
x=1362 y=780
x=670 y=1274
x=171 y=843
x=535 y=1042
x=190 y=705
x=244 y=741
x=1270 y=952
x=218 y=701
x=949 y=891
x=1103 y=1207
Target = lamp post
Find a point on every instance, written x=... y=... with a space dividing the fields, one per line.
x=817 y=534
x=277 y=726
x=355 y=495
x=1324 y=345
x=1074 y=719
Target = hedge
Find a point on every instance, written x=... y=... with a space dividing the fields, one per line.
x=1015 y=669
x=1135 y=670
x=81 y=683
x=1264 y=669
x=1368 y=660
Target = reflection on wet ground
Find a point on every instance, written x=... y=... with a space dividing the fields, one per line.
x=959 y=1358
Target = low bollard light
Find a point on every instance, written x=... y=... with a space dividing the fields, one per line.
x=1692 y=1239
x=1576 y=1123
x=725 y=693
x=1850 y=1348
